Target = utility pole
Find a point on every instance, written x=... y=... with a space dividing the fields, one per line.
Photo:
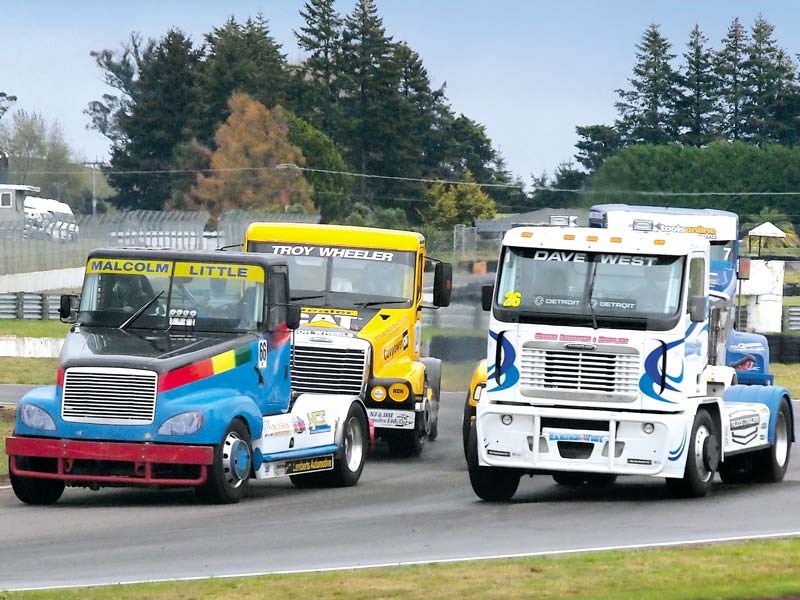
x=96 y=164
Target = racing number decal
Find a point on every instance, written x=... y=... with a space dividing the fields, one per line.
x=513 y=299
x=262 y=354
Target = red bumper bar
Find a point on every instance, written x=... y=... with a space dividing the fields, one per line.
x=142 y=456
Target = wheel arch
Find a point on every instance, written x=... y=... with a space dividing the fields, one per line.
x=771 y=396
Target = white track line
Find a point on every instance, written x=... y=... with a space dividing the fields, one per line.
x=644 y=546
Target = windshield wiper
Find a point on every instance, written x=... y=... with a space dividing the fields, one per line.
x=591 y=292
x=376 y=302
x=139 y=312
x=309 y=297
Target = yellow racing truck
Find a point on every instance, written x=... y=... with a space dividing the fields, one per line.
x=360 y=292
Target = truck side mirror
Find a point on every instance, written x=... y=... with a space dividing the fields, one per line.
x=698 y=309
x=744 y=269
x=292 y=316
x=68 y=308
x=442 y=284
x=487 y=296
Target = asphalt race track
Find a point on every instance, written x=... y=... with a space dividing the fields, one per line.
x=419 y=509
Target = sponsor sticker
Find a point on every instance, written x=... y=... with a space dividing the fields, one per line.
x=318 y=422
x=183 y=317
x=330 y=316
x=395 y=347
x=280 y=425
x=309 y=465
x=391 y=419
x=219 y=271
x=576 y=437
x=333 y=252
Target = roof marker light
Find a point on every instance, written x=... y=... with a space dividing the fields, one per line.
x=591 y=238
x=616 y=240
x=569 y=236
x=527 y=234
x=659 y=242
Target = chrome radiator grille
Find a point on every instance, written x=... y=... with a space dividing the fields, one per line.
x=579 y=370
x=328 y=370
x=109 y=396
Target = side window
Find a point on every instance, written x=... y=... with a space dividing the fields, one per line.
x=5 y=200
x=420 y=270
x=697 y=275
x=277 y=297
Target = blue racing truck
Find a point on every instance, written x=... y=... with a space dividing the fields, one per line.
x=176 y=372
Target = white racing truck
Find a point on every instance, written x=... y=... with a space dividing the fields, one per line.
x=603 y=360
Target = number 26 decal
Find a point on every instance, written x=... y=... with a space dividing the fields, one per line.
x=512 y=299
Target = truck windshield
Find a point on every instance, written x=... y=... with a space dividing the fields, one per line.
x=213 y=297
x=553 y=286
x=345 y=276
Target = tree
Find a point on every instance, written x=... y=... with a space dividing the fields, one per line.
x=595 y=144
x=767 y=73
x=646 y=110
x=6 y=100
x=239 y=57
x=150 y=118
x=729 y=64
x=320 y=77
x=696 y=105
x=458 y=203
x=370 y=98
x=566 y=177
x=331 y=190
x=40 y=156
x=251 y=145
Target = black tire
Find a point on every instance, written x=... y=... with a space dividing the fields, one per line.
x=229 y=476
x=466 y=425
x=404 y=443
x=591 y=479
x=702 y=459
x=737 y=469
x=355 y=439
x=491 y=484
x=35 y=491
x=770 y=464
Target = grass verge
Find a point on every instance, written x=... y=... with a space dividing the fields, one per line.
x=457 y=375
x=758 y=569
x=33 y=328
x=31 y=371
x=788 y=376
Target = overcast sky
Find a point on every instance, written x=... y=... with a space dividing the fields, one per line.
x=528 y=70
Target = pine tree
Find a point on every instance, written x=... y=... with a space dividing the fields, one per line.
x=370 y=104
x=729 y=65
x=6 y=100
x=699 y=85
x=319 y=75
x=767 y=73
x=244 y=58
x=646 y=110
x=154 y=122
x=595 y=144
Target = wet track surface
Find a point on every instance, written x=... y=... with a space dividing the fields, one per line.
x=402 y=510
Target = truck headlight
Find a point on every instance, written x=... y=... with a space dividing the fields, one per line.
x=36 y=418
x=182 y=424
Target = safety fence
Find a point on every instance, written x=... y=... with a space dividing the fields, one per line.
x=29 y=306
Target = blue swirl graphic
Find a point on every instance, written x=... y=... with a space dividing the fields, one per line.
x=509 y=374
x=652 y=376
x=676 y=454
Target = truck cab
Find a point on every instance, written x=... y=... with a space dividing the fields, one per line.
x=361 y=293
x=598 y=366
x=176 y=372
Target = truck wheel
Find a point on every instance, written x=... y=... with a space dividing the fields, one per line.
x=229 y=475
x=32 y=490
x=702 y=460
x=770 y=464
x=347 y=469
x=466 y=425
x=492 y=484
x=737 y=469
x=408 y=442
x=435 y=383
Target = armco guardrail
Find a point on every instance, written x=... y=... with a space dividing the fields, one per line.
x=29 y=306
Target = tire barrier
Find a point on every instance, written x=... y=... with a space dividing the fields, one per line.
x=783 y=348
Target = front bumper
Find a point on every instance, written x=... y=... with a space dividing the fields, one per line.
x=123 y=463
x=557 y=439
